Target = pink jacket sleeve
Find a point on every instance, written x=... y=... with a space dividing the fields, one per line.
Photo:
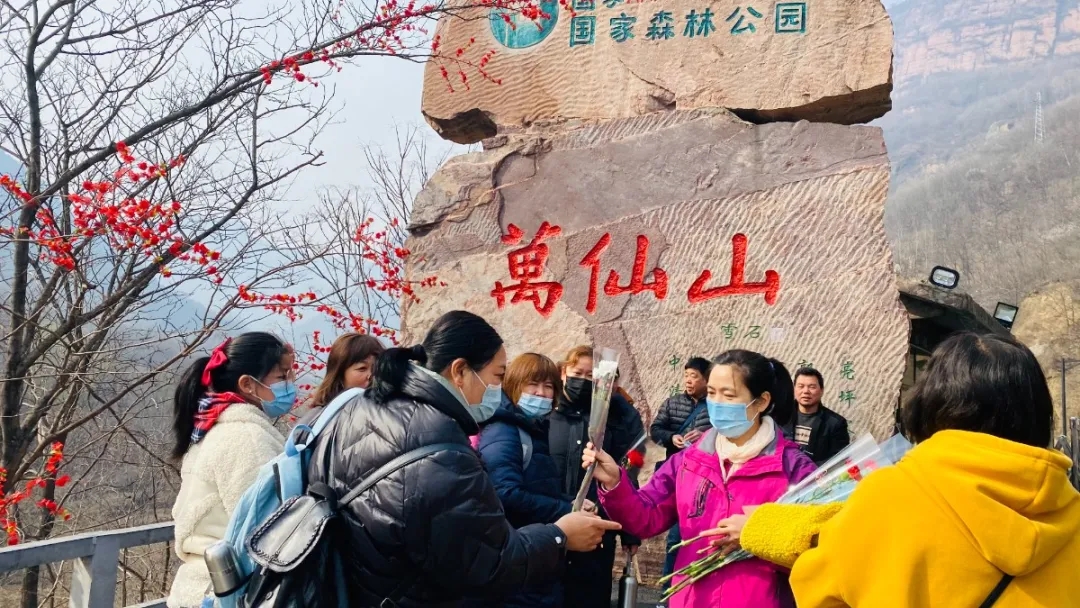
x=648 y=511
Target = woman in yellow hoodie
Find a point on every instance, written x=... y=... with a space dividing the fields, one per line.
x=979 y=510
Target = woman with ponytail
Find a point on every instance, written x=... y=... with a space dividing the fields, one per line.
x=223 y=421
x=433 y=532
x=742 y=461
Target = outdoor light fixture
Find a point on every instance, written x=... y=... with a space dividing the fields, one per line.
x=944 y=277
x=1005 y=314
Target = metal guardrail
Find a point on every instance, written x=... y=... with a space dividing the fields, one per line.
x=1070 y=445
x=95 y=557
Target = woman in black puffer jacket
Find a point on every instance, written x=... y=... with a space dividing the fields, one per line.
x=434 y=531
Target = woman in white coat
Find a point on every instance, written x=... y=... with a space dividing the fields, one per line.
x=224 y=411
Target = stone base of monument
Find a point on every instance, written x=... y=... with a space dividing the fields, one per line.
x=675 y=234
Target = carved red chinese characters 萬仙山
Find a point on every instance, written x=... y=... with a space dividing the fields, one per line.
x=658 y=285
x=738 y=285
x=526 y=266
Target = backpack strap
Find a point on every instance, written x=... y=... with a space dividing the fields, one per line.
x=995 y=594
x=292 y=445
x=401 y=462
x=689 y=422
x=391 y=601
x=332 y=410
x=526 y=448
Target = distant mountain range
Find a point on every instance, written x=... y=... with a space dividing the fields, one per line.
x=949 y=36
x=977 y=184
x=983 y=138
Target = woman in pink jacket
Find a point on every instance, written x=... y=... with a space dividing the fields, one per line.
x=742 y=461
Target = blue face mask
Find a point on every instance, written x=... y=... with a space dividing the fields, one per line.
x=730 y=419
x=535 y=406
x=481 y=412
x=490 y=402
x=284 y=398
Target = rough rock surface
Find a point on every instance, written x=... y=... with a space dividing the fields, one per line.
x=826 y=61
x=809 y=198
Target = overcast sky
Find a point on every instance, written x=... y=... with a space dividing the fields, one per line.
x=371 y=96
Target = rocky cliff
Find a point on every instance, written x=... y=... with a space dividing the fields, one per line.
x=940 y=36
x=982 y=139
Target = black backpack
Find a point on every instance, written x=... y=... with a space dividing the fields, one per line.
x=296 y=565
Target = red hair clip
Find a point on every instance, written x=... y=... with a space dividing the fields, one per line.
x=217 y=359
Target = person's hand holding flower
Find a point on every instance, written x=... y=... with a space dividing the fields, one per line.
x=607 y=472
x=728 y=531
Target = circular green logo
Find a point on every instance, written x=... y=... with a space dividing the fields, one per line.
x=515 y=31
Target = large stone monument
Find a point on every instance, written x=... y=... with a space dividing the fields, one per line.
x=819 y=60
x=624 y=199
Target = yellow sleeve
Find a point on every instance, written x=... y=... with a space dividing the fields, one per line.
x=781 y=533
x=835 y=571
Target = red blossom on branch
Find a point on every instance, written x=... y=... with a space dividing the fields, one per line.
x=102 y=210
x=10 y=500
x=392 y=29
x=95 y=228
x=384 y=258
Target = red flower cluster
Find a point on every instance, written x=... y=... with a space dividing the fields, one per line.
x=98 y=209
x=290 y=66
x=386 y=275
x=13 y=188
x=282 y=304
x=388 y=32
x=311 y=362
x=458 y=61
x=9 y=499
x=357 y=323
x=389 y=260
x=56 y=454
x=855 y=473
x=124 y=154
x=315 y=344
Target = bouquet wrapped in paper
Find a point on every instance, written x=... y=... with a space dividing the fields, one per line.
x=832 y=482
x=605 y=368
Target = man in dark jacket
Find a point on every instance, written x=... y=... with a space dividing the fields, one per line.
x=588 y=575
x=680 y=422
x=819 y=431
x=683 y=418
